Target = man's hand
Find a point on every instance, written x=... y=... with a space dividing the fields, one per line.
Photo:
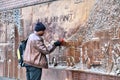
x=58 y=43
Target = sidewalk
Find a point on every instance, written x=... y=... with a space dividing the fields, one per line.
x=5 y=78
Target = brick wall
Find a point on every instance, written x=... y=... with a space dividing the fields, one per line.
x=11 y=4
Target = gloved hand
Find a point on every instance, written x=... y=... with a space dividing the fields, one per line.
x=58 y=43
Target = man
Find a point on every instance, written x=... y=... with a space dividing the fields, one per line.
x=35 y=53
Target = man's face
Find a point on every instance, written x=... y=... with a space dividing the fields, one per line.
x=40 y=33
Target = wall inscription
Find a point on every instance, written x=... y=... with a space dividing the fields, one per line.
x=61 y=18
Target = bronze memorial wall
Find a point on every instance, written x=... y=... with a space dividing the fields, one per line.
x=91 y=33
x=91 y=45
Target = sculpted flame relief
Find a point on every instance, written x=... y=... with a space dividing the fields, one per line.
x=100 y=53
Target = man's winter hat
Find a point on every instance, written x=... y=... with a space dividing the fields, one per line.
x=39 y=27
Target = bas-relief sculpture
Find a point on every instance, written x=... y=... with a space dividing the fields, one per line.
x=99 y=53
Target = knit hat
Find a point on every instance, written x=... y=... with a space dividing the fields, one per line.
x=39 y=27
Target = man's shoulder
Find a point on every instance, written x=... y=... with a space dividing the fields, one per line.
x=33 y=36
